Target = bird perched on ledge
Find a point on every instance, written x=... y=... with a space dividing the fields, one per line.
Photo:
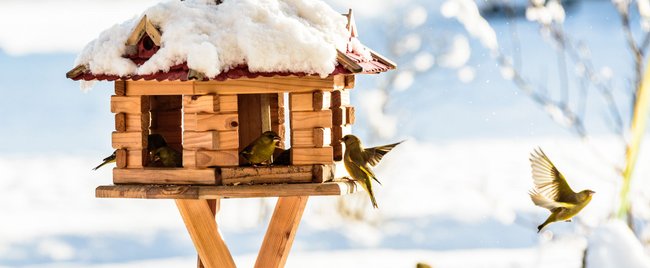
x=358 y=160
x=261 y=149
x=551 y=191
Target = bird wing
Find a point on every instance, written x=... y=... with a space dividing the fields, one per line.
x=548 y=180
x=373 y=155
x=543 y=201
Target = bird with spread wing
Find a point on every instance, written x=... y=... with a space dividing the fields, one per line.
x=552 y=192
x=358 y=160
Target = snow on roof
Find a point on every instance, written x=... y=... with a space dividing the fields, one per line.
x=295 y=36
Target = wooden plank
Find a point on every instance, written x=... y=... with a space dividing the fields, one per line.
x=348 y=62
x=137 y=32
x=211 y=140
x=137 y=158
x=277 y=117
x=120 y=122
x=391 y=64
x=166 y=103
x=250 y=115
x=340 y=98
x=129 y=104
x=337 y=134
x=120 y=158
x=206 y=122
x=349 y=81
x=139 y=88
x=240 y=191
x=165 y=176
x=301 y=102
x=265 y=111
x=147 y=191
x=308 y=156
x=270 y=174
x=208 y=158
x=339 y=116
x=302 y=120
x=202 y=227
x=281 y=232
x=210 y=103
x=323 y=173
x=120 y=88
x=261 y=85
x=321 y=100
x=315 y=137
x=166 y=119
x=215 y=206
x=131 y=122
x=315 y=101
x=349 y=115
x=76 y=71
x=131 y=140
x=171 y=135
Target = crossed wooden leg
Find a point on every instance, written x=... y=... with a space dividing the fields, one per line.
x=213 y=252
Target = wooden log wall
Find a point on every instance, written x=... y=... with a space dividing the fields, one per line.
x=211 y=136
x=131 y=128
x=342 y=117
x=311 y=123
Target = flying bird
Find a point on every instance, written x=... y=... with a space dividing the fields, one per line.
x=358 y=162
x=261 y=149
x=552 y=192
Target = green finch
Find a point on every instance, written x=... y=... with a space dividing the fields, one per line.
x=167 y=157
x=261 y=149
x=109 y=159
x=358 y=161
x=155 y=141
x=552 y=192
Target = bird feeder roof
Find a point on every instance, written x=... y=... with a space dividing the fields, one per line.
x=201 y=40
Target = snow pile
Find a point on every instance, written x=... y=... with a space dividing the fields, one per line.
x=614 y=245
x=266 y=35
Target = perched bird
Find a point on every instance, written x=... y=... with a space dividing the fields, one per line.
x=551 y=191
x=109 y=159
x=358 y=161
x=261 y=149
x=155 y=141
x=167 y=157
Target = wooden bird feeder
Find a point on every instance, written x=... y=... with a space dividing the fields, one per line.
x=210 y=119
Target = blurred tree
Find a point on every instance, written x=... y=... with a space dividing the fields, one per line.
x=568 y=105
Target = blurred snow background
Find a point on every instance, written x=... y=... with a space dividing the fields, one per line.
x=454 y=194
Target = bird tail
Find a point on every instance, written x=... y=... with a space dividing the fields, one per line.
x=372 y=199
x=100 y=165
x=541 y=226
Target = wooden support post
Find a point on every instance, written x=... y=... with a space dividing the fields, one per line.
x=202 y=227
x=215 y=206
x=281 y=232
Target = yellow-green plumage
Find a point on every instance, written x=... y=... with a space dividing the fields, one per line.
x=154 y=141
x=552 y=191
x=109 y=159
x=358 y=162
x=261 y=149
x=167 y=157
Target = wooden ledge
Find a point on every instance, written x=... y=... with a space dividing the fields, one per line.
x=213 y=192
